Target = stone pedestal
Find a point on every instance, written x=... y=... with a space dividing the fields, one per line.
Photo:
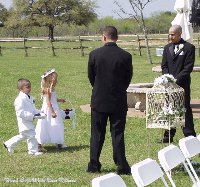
x=136 y=95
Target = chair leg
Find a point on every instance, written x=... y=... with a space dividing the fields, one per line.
x=164 y=182
x=193 y=171
x=170 y=179
x=189 y=172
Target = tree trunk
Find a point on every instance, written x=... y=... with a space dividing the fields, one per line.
x=51 y=29
x=146 y=39
x=147 y=46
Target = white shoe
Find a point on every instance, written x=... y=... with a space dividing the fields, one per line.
x=35 y=153
x=38 y=153
x=9 y=149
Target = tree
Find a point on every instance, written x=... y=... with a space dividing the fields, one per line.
x=55 y=12
x=3 y=15
x=159 y=22
x=137 y=7
x=15 y=25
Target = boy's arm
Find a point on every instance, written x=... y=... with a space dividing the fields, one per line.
x=21 y=111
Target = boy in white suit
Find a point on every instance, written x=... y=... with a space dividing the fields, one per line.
x=26 y=113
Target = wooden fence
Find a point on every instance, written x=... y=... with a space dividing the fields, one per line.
x=51 y=46
x=136 y=44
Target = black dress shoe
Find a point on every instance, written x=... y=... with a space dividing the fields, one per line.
x=166 y=140
x=124 y=171
x=93 y=170
x=94 y=167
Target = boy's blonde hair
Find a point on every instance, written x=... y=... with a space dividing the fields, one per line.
x=22 y=82
x=47 y=81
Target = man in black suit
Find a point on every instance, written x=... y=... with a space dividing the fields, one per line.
x=178 y=60
x=109 y=71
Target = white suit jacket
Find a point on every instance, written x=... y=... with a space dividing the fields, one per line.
x=25 y=111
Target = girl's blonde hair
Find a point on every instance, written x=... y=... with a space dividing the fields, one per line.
x=49 y=80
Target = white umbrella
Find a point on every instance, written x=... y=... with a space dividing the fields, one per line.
x=183 y=9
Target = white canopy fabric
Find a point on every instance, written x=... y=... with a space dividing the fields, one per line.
x=183 y=9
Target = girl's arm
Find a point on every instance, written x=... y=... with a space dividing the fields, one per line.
x=61 y=100
x=48 y=100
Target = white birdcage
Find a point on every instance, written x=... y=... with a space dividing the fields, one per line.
x=165 y=104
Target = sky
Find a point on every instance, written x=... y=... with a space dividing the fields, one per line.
x=108 y=8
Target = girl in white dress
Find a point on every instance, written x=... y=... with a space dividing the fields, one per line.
x=51 y=129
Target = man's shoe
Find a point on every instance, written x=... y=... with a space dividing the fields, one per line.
x=166 y=140
x=124 y=172
x=9 y=149
x=93 y=170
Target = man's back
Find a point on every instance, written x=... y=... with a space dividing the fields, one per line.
x=110 y=72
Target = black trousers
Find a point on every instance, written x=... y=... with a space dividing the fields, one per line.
x=188 y=130
x=98 y=131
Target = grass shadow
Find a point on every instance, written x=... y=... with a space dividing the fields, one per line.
x=71 y=149
x=106 y=170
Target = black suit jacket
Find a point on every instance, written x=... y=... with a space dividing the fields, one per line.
x=180 y=65
x=109 y=71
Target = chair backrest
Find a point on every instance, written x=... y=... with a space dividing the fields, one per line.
x=190 y=146
x=146 y=172
x=170 y=157
x=108 y=180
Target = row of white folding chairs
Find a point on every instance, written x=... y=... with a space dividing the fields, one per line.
x=148 y=170
x=169 y=157
x=144 y=173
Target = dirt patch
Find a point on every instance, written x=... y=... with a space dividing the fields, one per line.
x=195 y=104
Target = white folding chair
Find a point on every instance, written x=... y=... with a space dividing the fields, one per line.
x=190 y=147
x=146 y=172
x=108 y=180
x=170 y=157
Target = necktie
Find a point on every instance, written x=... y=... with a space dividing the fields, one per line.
x=176 y=48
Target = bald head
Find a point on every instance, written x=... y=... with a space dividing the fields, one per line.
x=175 y=32
x=176 y=28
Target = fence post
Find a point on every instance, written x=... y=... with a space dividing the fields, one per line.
x=199 y=51
x=81 y=46
x=25 y=48
x=52 y=47
x=0 y=51
x=198 y=45
x=139 y=46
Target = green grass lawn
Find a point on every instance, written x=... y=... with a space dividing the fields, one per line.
x=67 y=168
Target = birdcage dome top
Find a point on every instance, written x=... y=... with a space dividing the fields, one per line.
x=166 y=84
